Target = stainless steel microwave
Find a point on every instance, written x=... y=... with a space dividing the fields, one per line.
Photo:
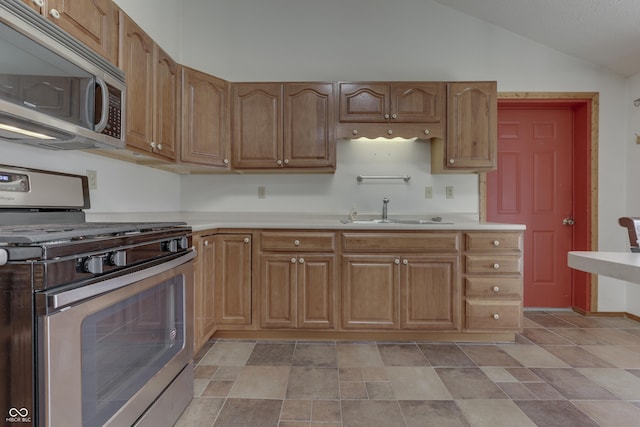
x=55 y=92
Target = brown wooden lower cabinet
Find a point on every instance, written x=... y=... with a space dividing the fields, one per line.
x=297 y=291
x=232 y=290
x=204 y=318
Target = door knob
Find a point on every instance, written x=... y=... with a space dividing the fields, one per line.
x=568 y=221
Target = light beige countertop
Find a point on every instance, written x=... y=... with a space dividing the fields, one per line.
x=619 y=265
x=200 y=221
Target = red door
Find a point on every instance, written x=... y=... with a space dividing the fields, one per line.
x=533 y=186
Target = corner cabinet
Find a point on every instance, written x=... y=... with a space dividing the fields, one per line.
x=283 y=126
x=153 y=88
x=205 y=119
x=94 y=23
x=470 y=144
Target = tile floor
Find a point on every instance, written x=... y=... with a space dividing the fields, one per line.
x=564 y=370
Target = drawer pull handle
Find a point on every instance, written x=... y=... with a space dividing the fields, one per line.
x=296 y=242
x=496 y=266
x=496 y=289
x=496 y=243
x=496 y=316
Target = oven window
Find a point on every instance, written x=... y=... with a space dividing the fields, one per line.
x=124 y=345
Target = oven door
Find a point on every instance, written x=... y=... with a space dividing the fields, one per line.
x=105 y=359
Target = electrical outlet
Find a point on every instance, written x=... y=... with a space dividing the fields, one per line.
x=262 y=192
x=449 y=191
x=428 y=192
x=92 y=177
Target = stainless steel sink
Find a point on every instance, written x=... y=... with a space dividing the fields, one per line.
x=432 y=221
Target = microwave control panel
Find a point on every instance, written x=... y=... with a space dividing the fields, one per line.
x=114 y=122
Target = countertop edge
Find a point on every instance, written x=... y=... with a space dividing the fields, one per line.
x=618 y=265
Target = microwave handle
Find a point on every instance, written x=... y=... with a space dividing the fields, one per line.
x=105 y=106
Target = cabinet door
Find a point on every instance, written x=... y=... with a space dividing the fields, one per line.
x=205 y=119
x=417 y=102
x=233 y=279
x=471 y=126
x=278 y=291
x=257 y=126
x=430 y=293
x=316 y=291
x=93 y=22
x=204 y=302
x=309 y=125
x=370 y=291
x=166 y=105
x=364 y=102
x=136 y=60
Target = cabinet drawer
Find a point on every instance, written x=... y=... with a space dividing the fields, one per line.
x=400 y=242
x=298 y=241
x=488 y=264
x=493 y=241
x=494 y=315
x=493 y=287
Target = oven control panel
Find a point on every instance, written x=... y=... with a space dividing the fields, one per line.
x=14 y=182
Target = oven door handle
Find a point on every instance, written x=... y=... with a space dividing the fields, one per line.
x=58 y=300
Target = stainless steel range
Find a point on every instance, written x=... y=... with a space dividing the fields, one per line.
x=95 y=324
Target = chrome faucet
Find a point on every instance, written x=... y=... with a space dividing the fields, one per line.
x=385 y=202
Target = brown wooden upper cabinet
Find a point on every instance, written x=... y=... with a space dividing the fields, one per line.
x=205 y=119
x=471 y=142
x=153 y=92
x=94 y=23
x=394 y=104
x=283 y=125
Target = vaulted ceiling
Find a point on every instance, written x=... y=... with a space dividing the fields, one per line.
x=604 y=32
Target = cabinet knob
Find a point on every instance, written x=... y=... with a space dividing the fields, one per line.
x=296 y=242
x=206 y=243
x=386 y=116
x=286 y=161
x=405 y=262
x=496 y=243
x=301 y=260
x=394 y=116
x=39 y=3
x=396 y=261
x=390 y=132
x=159 y=146
x=293 y=260
x=451 y=161
x=225 y=161
x=355 y=131
x=54 y=13
x=427 y=131
x=496 y=266
x=496 y=316
x=496 y=289
x=279 y=162
x=152 y=144
x=246 y=240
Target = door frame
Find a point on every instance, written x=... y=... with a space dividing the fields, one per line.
x=585 y=108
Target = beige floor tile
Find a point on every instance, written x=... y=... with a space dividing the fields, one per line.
x=228 y=354
x=296 y=410
x=217 y=389
x=417 y=383
x=261 y=382
x=326 y=411
x=199 y=386
x=353 y=390
x=618 y=356
x=201 y=412
x=616 y=336
x=493 y=413
x=617 y=381
x=532 y=356
x=358 y=355
x=498 y=374
x=612 y=413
